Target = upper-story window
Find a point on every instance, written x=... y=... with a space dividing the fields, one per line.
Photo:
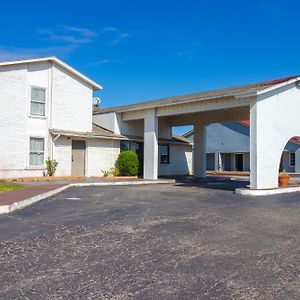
x=37 y=102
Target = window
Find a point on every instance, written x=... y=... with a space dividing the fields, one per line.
x=37 y=102
x=36 y=152
x=164 y=154
x=139 y=149
x=292 y=159
x=124 y=146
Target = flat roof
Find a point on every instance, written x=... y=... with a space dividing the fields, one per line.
x=57 y=61
x=236 y=91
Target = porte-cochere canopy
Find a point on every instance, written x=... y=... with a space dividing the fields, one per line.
x=273 y=108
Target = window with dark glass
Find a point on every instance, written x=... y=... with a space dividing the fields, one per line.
x=139 y=149
x=292 y=159
x=124 y=145
x=164 y=154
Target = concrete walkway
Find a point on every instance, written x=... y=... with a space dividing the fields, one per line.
x=17 y=199
x=7 y=198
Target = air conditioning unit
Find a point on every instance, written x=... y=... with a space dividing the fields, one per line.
x=96 y=101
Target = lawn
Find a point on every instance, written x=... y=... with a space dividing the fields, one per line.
x=10 y=187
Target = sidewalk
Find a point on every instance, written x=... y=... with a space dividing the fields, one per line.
x=29 y=191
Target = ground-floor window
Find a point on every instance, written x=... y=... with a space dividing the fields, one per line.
x=239 y=161
x=124 y=145
x=139 y=149
x=164 y=154
x=36 y=152
x=292 y=159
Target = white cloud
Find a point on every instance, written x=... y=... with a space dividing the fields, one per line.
x=116 y=35
x=11 y=53
x=186 y=54
x=68 y=34
x=102 y=62
x=109 y=29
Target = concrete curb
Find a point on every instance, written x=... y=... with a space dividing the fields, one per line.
x=248 y=192
x=4 y=209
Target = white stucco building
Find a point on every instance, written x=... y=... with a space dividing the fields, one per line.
x=46 y=112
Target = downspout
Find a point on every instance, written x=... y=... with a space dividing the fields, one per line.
x=56 y=138
x=50 y=79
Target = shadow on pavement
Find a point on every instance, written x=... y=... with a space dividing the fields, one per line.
x=211 y=182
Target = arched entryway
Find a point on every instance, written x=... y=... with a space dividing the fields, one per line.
x=289 y=156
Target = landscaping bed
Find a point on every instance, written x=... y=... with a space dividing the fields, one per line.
x=10 y=187
x=228 y=173
x=42 y=178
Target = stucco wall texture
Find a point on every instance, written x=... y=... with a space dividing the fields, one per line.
x=68 y=106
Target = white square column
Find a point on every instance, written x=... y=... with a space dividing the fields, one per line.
x=217 y=161
x=266 y=146
x=253 y=147
x=151 y=147
x=297 y=161
x=199 y=150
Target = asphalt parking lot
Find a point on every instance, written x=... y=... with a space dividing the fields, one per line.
x=152 y=242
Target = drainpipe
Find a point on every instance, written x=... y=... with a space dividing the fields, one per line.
x=56 y=138
x=52 y=143
x=50 y=108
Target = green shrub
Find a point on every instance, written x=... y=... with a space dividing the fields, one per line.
x=128 y=163
x=51 y=166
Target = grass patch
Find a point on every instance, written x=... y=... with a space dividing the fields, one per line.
x=10 y=187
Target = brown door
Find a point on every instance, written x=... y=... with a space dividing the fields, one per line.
x=78 y=158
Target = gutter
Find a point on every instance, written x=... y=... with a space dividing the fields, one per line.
x=120 y=110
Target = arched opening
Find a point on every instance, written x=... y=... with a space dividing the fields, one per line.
x=290 y=157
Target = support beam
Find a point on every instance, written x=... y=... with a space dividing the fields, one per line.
x=199 y=150
x=150 y=147
x=217 y=161
x=297 y=161
x=254 y=172
x=266 y=146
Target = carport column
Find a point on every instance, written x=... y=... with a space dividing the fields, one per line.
x=253 y=147
x=297 y=160
x=217 y=163
x=199 y=150
x=150 y=146
x=264 y=151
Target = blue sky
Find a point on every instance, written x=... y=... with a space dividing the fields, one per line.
x=143 y=50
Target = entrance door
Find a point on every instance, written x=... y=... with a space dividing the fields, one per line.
x=78 y=158
x=239 y=162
